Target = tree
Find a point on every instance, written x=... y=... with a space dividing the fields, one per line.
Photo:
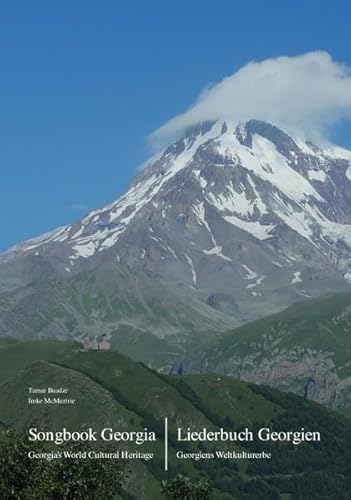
x=18 y=471
x=182 y=488
x=23 y=478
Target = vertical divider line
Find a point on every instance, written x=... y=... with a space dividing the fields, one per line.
x=166 y=443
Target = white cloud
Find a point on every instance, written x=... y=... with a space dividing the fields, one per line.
x=306 y=94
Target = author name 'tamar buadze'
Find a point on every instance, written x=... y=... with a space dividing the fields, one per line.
x=183 y=435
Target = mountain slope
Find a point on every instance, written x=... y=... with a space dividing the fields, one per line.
x=305 y=349
x=230 y=223
x=113 y=390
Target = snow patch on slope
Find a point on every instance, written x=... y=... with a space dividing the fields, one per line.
x=237 y=202
x=84 y=251
x=199 y=211
x=217 y=250
x=255 y=228
x=203 y=182
x=296 y=278
x=267 y=163
x=258 y=282
x=251 y=275
x=192 y=269
x=317 y=175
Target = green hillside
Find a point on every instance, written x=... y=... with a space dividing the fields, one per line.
x=305 y=349
x=151 y=322
x=114 y=391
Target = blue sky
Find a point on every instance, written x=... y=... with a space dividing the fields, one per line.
x=82 y=85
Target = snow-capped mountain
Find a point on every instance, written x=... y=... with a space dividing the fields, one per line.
x=231 y=221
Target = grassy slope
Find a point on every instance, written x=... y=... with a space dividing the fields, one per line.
x=48 y=305
x=309 y=336
x=322 y=323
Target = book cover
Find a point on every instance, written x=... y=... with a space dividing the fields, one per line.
x=175 y=260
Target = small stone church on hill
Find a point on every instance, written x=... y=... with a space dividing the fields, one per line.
x=101 y=344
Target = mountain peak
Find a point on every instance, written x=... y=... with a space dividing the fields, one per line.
x=230 y=222
x=261 y=165
x=244 y=133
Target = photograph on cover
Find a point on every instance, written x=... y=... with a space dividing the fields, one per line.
x=175 y=251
